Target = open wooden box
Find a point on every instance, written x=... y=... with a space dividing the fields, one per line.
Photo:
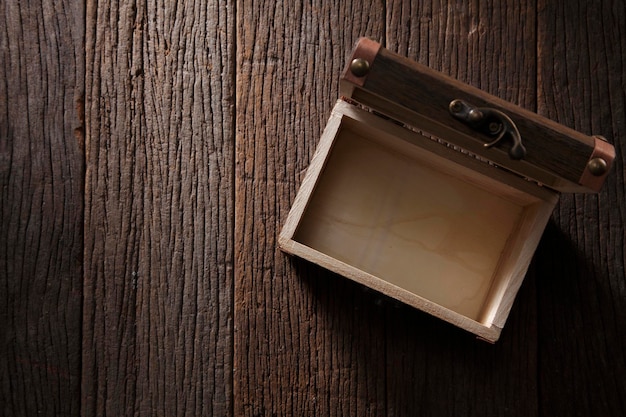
x=404 y=196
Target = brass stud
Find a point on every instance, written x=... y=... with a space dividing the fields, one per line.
x=456 y=106
x=597 y=166
x=359 y=67
x=475 y=116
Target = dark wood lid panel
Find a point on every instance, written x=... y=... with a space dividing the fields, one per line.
x=416 y=95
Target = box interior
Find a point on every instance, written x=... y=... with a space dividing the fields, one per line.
x=416 y=220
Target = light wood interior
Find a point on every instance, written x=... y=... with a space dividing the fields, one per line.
x=412 y=218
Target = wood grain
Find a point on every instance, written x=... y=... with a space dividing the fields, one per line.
x=41 y=203
x=159 y=209
x=433 y=370
x=307 y=342
x=200 y=120
x=582 y=291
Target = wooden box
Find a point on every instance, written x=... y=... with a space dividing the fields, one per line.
x=433 y=192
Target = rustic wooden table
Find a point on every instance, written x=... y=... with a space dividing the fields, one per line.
x=150 y=151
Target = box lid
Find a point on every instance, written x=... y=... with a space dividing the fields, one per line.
x=509 y=136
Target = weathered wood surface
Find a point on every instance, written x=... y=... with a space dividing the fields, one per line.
x=306 y=342
x=41 y=205
x=159 y=209
x=582 y=288
x=200 y=121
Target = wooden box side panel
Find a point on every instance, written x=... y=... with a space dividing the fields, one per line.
x=312 y=175
x=516 y=258
x=488 y=333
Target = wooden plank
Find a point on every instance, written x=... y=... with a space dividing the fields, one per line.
x=159 y=209
x=433 y=369
x=307 y=342
x=582 y=296
x=41 y=205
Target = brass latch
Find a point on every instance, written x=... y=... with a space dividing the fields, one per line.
x=491 y=122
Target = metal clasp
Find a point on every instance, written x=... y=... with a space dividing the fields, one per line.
x=491 y=122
